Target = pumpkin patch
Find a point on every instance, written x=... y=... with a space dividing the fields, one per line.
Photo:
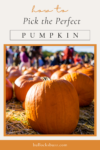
x=51 y=94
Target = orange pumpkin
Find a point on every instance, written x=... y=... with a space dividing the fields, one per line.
x=32 y=68
x=41 y=74
x=73 y=69
x=9 y=90
x=29 y=71
x=69 y=66
x=89 y=72
x=56 y=67
x=63 y=67
x=23 y=105
x=14 y=74
x=10 y=68
x=86 y=65
x=84 y=87
x=52 y=110
x=41 y=68
x=22 y=85
x=58 y=74
x=50 y=70
x=47 y=71
x=7 y=73
x=24 y=68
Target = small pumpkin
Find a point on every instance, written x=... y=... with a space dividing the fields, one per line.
x=14 y=74
x=23 y=84
x=24 y=68
x=9 y=90
x=42 y=68
x=58 y=74
x=56 y=67
x=50 y=109
x=32 y=68
x=86 y=65
x=41 y=74
x=63 y=67
x=84 y=87
x=73 y=69
x=48 y=72
x=29 y=71
x=10 y=68
x=88 y=71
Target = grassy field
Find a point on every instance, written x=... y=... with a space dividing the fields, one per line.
x=16 y=122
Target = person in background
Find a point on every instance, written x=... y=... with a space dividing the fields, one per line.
x=86 y=58
x=65 y=58
x=51 y=58
x=71 y=53
x=47 y=61
x=10 y=57
x=92 y=59
x=38 y=50
x=56 y=60
x=24 y=57
x=77 y=59
x=32 y=54
x=17 y=57
x=41 y=63
x=7 y=55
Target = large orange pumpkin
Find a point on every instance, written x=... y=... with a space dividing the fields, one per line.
x=52 y=107
x=22 y=85
x=9 y=90
x=84 y=87
x=58 y=74
x=88 y=71
x=14 y=74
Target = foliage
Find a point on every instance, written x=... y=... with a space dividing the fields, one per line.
x=47 y=53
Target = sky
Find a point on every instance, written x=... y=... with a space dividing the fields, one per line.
x=76 y=48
